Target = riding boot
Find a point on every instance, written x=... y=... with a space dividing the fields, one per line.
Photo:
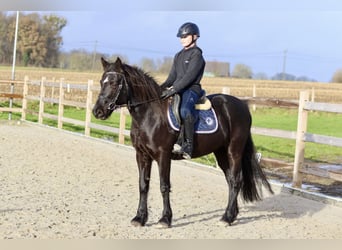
x=187 y=146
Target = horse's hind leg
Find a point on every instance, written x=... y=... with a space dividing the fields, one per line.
x=231 y=165
x=144 y=165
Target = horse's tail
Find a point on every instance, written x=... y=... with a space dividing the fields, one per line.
x=252 y=174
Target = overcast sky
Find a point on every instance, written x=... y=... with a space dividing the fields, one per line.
x=255 y=33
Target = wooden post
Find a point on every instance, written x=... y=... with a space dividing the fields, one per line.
x=254 y=95
x=313 y=94
x=24 y=103
x=88 y=108
x=60 y=104
x=312 y=97
x=226 y=90
x=300 y=144
x=122 y=126
x=53 y=90
x=41 y=100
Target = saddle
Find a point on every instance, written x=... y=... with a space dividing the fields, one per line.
x=207 y=121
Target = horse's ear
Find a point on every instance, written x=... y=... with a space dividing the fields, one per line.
x=104 y=63
x=118 y=62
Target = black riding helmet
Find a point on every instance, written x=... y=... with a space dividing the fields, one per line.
x=188 y=29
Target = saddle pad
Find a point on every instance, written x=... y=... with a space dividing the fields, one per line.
x=206 y=123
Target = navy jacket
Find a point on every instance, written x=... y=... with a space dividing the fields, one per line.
x=187 y=71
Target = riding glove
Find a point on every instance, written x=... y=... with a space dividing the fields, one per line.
x=168 y=92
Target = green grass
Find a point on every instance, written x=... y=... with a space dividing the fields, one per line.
x=74 y=113
x=285 y=119
x=321 y=123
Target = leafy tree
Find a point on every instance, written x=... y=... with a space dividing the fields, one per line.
x=305 y=79
x=52 y=26
x=290 y=77
x=30 y=43
x=148 y=64
x=337 y=77
x=286 y=76
x=260 y=76
x=164 y=65
x=242 y=71
x=7 y=32
x=113 y=58
x=217 y=68
x=39 y=39
x=3 y=43
x=80 y=59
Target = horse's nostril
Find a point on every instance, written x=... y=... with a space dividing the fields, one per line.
x=97 y=113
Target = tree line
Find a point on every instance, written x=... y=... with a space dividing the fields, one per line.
x=83 y=60
x=39 y=39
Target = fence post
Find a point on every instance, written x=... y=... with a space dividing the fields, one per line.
x=53 y=90
x=122 y=126
x=41 y=100
x=88 y=108
x=300 y=144
x=312 y=97
x=313 y=94
x=60 y=104
x=11 y=101
x=24 y=102
x=254 y=95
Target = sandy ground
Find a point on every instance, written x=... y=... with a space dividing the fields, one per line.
x=57 y=185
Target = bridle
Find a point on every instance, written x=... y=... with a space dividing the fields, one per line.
x=112 y=105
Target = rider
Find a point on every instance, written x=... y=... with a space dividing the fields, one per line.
x=184 y=79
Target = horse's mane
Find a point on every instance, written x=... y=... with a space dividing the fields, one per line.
x=144 y=86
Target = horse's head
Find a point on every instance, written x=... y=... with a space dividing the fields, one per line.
x=114 y=89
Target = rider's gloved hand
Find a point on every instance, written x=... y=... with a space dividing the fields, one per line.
x=168 y=92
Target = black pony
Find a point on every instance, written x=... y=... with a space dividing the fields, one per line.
x=153 y=138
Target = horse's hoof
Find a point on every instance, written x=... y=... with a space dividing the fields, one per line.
x=137 y=222
x=227 y=220
x=164 y=223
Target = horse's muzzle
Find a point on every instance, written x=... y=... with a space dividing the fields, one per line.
x=100 y=113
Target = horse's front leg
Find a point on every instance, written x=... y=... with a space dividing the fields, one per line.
x=144 y=165
x=165 y=188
